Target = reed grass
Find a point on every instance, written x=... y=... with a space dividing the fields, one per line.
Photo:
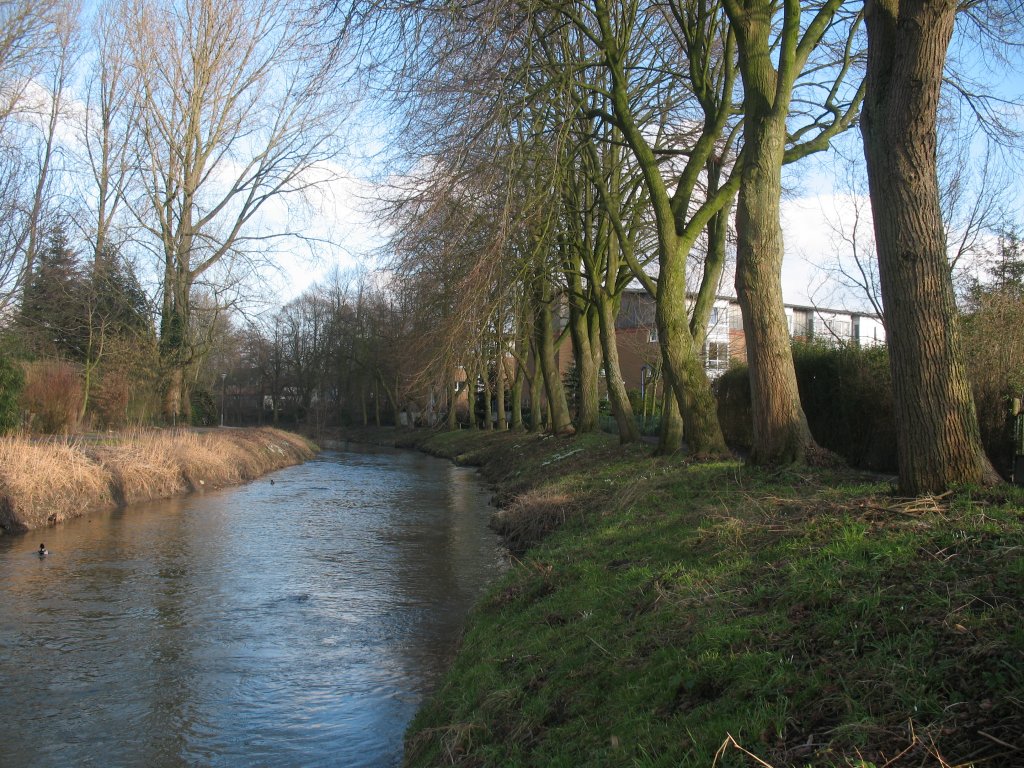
x=47 y=482
x=44 y=483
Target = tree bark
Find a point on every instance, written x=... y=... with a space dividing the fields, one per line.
x=588 y=361
x=537 y=402
x=618 y=398
x=522 y=347
x=780 y=431
x=516 y=393
x=488 y=408
x=175 y=352
x=683 y=368
x=670 y=435
x=499 y=388
x=544 y=337
x=938 y=442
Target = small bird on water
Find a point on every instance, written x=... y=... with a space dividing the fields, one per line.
x=42 y=550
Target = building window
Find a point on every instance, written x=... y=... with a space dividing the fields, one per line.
x=840 y=329
x=716 y=355
x=803 y=325
x=735 y=318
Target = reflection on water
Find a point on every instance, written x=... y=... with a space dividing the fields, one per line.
x=299 y=623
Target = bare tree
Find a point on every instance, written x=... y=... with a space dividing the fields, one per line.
x=37 y=53
x=107 y=128
x=26 y=44
x=236 y=107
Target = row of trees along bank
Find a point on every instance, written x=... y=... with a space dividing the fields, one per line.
x=564 y=150
x=546 y=156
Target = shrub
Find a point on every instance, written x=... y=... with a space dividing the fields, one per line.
x=128 y=391
x=846 y=396
x=733 y=392
x=205 y=411
x=110 y=400
x=52 y=395
x=994 y=346
x=12 y=380
x=845 y=393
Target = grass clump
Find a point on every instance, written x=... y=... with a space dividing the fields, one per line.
x=47 y=481
x=715 y=614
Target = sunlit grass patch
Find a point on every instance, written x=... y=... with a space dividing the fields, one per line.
x=716 y=614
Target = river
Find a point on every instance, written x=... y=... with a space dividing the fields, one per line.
x=293 y=623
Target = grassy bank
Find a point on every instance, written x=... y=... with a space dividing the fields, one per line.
x=665 y=615
x=46 y=482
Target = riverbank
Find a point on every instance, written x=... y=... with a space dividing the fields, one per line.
x=660 y=614
x=47 y=482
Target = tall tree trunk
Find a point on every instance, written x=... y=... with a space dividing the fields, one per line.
x=670 y=435
x=172 y=389
x=176 y=343
x=618 y=398
x=499 y=396
x=780 y=434
x=500 y=375
x=488 y=408
x=938 y=442
x=588 y=365
x=522 y=343
x=471 y=377
x=683 y=368
x=780 y=431
x=574 y=244
x=544 y=340
x=534 y=390
x=714 y=262
x=516 y=394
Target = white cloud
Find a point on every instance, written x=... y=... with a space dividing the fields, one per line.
x=334 y=227
x=818 y=230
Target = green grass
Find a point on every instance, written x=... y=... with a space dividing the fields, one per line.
x=660 y=614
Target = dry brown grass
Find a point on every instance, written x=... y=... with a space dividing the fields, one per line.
x=47 y=482
x=532 y=516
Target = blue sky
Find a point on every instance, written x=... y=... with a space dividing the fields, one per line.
x=813 y=207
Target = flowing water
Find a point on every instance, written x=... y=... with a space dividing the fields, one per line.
x=297 y=623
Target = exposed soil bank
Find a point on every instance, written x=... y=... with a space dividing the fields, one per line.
x=44 y=483
x=665 y=614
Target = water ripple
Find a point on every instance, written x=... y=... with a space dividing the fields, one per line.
x=294 y=624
